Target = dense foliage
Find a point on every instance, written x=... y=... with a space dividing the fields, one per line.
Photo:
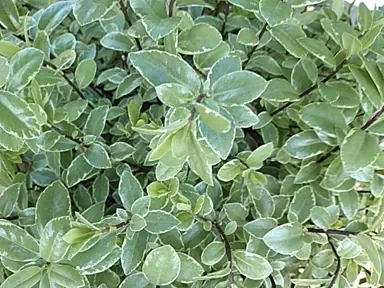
x=191 y=143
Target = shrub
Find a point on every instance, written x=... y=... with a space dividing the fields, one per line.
x=191 y=143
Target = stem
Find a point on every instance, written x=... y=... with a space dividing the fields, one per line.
x=227 y=246
x=313 y=87
x=331 y=231
x=69 y=81
x=273 y=283
x=199 y=99
x=226 y=12
x=123 y=9
x=171 y=6
x=338 y=264
x=250 y=53
x=373 y=118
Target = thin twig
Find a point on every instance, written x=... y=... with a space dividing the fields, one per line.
x=69 y=81
x=227 y=246
x=331 y=231
x=226 y=12
x=171 y=6
x=313 y=87
x=250 y=53
x=123 y=9
x=338 y=264
x=273 y=283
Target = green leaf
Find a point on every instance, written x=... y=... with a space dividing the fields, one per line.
x=351 y=44
x=279 y=90
x=65 y=275
x=16 y=244
x=255 y=160
x=149 y=7
x=321 y=217
x=4 y=71
x=364 y=18
x=97 y=156
x=324 y=117
x=259 y=227
x=197 y=39
x=117 y=41
x=161 y=68
x=27 y=277
x=287 y=36
x=198 y=161
x=251 y=265
x=240 y=87
x=129 y=189
x=88 y=11
x=162 y=266
x=53 y=16
x=213 y=253
x=96 y=121
x=128 y=85
x=24 y=66
x=78 y=171
x=242 y=115
x=121 y=151
x=159 y=222
x=212 y=119
x=17 y=118
x=158 y=27
x=285 y=239
x=52 y=245
x=9 y=16
x=222 y=67
x=370 y=36
x=367 y=85
x=304 y=145
x=302 y=203
x=275 y=12
x=8 y=199
x=371 y=250
x=174 y=95
x=136 y=280
x=247 y=37
x=318 y=49
x=53 y=202
x=266 y=63
x=133 y=251
x=98 y=251
x=353 y=156
x=85 y=73
x=190 y=269
x=249 y=5
x=220 y=143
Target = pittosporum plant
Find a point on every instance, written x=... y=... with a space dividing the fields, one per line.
x=191 y=143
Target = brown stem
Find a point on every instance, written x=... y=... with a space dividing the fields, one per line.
x=123 y=9
x=331 y=231
x=199 y=99
x=313 y=87
x=226 y=12
x=338 y=264
x=227 y=246
x=250 y=53
x=171 y=6
x=69 y=81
